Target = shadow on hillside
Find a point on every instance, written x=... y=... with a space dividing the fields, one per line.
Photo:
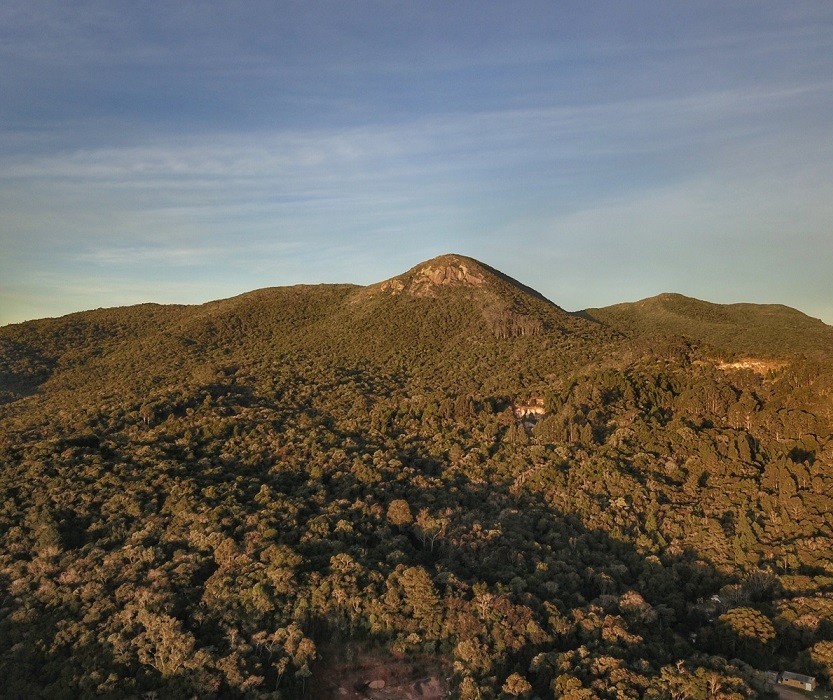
x=578 y=583
x=22 y=370
x=587 y=316
x=500 y=569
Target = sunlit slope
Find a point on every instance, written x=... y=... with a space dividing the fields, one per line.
x=767 y=330
x=451 y=316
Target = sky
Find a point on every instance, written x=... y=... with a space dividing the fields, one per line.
x=599 y=152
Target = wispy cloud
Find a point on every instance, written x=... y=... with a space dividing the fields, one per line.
x=192 y=142
x=132 y=255
x=725 y=241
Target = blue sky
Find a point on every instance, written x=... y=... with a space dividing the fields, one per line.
x=598 y=151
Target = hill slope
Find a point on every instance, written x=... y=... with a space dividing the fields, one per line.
x=443 y=477
x=451 y=314
x=765 y=330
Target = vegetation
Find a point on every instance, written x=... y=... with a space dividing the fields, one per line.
x=213 y=501
x=730 y=330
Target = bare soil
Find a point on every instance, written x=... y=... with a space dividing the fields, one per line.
x=353 y=671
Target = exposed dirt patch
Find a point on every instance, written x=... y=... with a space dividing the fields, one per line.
x=757 y=366
x=354 y=672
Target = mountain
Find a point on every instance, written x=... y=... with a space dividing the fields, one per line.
x=765 y=330
x=440 y=484
x=451 y=312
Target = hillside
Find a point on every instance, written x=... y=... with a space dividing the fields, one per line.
x=442 y=483
x=762 y=330
x=470 y=329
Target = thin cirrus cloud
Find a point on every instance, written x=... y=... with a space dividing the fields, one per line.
x=181 y=146
x=132 y=255
x=423 y=146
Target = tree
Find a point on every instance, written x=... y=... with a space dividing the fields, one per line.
x=821 y=655
x=422 y=598
x=517 y=686
x=747 y=632
x=430 y=527
x=147 y=413
x=163 y=644
x=399 y=513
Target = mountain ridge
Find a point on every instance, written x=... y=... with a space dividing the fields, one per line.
x=773 y=330
x=449 y=270
x=447 y=309
x=506 y=305
x=451 y=310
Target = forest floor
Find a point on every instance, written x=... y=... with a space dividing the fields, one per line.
x=352 y=671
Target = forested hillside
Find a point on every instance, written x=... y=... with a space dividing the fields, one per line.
x=766 y=330
x=444 y=472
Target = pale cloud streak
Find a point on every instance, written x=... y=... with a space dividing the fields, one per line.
x=317 y=144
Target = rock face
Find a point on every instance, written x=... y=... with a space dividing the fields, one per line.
x=448 y=270
x=451 y=273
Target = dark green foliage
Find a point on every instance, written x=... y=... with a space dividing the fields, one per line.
x=730 y=330
x=203 y=502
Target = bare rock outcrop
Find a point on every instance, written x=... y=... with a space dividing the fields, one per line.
x=442 y=272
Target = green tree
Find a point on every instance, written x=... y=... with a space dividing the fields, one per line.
x=746 y=632
x=399 y=513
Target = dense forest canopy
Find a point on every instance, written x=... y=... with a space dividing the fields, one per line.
x=444 y=473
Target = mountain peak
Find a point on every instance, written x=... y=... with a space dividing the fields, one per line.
x=430 y=278
x=450 y=270
x=484 y=298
